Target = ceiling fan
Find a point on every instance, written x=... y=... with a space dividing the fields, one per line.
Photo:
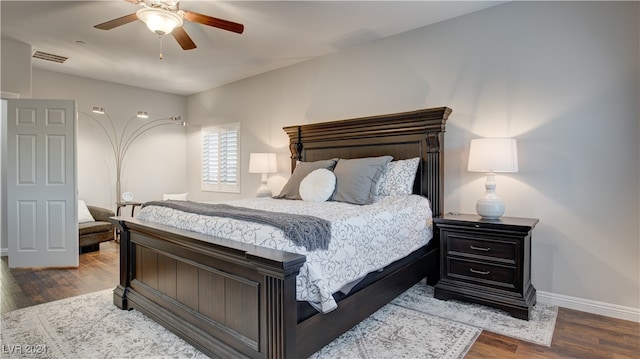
x=164 y=16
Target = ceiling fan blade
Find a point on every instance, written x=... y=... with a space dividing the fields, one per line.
x=183 y=38
x=117 y=22
x=215 y=22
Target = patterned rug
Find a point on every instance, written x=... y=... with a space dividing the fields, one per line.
x=396 y=332
x=90 y=326
x=537 y=330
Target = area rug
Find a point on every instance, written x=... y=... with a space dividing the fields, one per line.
x=537 y=330
x=90 y=326
x=396 y=332
x=414 y=325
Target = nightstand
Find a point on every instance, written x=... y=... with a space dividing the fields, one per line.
x=133 y=205
x=487 y=262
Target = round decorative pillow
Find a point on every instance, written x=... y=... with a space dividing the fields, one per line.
x=318 y=185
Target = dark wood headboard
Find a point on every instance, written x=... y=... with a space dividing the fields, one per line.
x=401 y=135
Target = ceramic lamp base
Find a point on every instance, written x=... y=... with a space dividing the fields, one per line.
x=264 y=191
x=490 y=206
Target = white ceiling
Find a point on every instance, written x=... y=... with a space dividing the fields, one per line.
x=277 y=34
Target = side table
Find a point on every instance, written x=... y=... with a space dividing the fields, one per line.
x=133 y=205
x=487 y=262
x=119 y=206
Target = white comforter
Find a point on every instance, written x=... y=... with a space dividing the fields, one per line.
x=363 y=238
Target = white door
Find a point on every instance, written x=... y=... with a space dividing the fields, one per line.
x=42 y=220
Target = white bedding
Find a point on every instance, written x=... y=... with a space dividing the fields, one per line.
x=363 y=238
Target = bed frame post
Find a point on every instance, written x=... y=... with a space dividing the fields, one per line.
x=280 y=299
x=296 y=148
x=126 y=262
x=435 y=171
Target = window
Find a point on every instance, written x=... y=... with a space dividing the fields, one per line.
x=221 y=158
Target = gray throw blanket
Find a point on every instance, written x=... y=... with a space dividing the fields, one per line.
x=307 y=231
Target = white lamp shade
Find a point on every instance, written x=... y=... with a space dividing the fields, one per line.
x=159 y=21
x=263 y=163
x=493 y=155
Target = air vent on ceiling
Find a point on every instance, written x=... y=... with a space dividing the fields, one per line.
x=49 y=57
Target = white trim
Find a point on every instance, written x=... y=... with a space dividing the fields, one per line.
x=6 y=95
x=4 y=252
x=590 y=306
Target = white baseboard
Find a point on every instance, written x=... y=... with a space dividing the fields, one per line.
x=4 y=252
x=590 y=306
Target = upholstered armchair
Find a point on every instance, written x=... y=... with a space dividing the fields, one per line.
x=93 y=233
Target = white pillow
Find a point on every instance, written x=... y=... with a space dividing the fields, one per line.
x=398 y=178
x=291 y=189
x=175 y=196
x=83 y=213
x=318 y=185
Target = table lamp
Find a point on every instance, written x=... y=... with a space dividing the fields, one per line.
x=492 y=155
x=263 y=163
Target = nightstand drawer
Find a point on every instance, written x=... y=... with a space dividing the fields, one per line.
x=464 y=244
x=503 y=277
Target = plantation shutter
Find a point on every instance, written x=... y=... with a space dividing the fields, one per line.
x=221 y=158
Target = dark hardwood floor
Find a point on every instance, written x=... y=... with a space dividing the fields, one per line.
x=26 y=287
x=577 y=334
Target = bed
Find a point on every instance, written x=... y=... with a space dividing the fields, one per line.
x=233 y=299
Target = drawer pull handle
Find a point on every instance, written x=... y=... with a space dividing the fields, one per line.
x=479 y=271
x=480 y=248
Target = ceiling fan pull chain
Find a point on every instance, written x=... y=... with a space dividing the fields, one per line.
x=160 y=47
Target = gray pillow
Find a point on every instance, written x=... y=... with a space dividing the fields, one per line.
x=291 y=189
x=356 y=179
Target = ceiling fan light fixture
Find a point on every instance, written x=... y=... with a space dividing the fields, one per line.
x=159 y=21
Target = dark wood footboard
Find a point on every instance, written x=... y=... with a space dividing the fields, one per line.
x=226 y=298
x=233 y=300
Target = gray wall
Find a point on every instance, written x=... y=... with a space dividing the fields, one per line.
x=15 y=81
x=15 y=73
x=154 y=164
x=561 y=77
